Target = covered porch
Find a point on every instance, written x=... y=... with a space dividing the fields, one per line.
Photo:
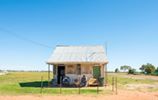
x=76 y=71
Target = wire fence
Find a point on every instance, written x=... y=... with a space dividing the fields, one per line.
x=80 y=89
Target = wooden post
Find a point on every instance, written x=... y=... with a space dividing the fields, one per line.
x=53 y=71
x=79 y=92
x=103 y=83
x=60 y=85
x=116 y=84
x=106 y=76
x=98 y=87
x=112 y=84
x=48 y=75
x=41 y=84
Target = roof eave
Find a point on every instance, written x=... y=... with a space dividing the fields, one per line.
x=53 y=63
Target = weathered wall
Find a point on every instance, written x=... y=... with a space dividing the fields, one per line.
x=86 y=69
x=71 y=71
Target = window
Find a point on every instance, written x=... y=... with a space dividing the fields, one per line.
x=70 y=69
x=78 y=69
x=86 y=69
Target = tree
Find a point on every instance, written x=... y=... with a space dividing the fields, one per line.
x=125 y=67
x=116 y=70
x=147 y=68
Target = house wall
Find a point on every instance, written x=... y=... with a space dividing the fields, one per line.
x=86 y=69
x=71 y=71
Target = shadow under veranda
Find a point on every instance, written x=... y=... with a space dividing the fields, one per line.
x=34 y=84
x=39 y=84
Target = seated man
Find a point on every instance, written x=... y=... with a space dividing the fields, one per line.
x=83 y=81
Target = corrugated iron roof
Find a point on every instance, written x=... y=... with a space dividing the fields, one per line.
x=78 y=54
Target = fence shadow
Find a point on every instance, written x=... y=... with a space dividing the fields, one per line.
x=34 y=84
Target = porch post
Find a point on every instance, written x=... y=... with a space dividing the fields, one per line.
x=53 y=71
x=106 y=75
x=48 y=75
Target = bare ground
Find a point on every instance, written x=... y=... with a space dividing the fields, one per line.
x=122 y=95
x=142 y=76
x=141 y=86
x=147 y=77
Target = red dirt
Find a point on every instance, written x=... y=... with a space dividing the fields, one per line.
x=122 y=95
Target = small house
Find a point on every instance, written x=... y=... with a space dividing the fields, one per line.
x=78 y=61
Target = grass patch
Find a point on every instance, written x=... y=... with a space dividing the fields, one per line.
x=21 y=83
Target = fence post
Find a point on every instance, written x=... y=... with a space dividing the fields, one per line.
x=98 y=87
x=41 y=84
x=116 y=84
x=79 y=89
x=60 y=85
x=113 y=84
x=79 y=92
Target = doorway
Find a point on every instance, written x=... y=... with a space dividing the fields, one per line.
x=96 y=72
x=61 y=73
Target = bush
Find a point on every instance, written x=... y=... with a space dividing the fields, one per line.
x=131 y=71
x=156 y=70
x=155 y=73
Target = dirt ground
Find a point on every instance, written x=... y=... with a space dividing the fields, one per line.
x=148 y=77
x=122 y=95
x=125 y=75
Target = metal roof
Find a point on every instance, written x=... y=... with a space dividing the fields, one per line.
x=78 y=54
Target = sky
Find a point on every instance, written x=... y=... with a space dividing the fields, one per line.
x=129 y=27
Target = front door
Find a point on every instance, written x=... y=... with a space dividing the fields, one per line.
x=96 y=72
x=61 y=73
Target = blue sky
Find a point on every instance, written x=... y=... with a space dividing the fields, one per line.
x=130 y=27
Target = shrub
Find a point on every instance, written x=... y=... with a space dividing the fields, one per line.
x=131 y=71
x=155 y=73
